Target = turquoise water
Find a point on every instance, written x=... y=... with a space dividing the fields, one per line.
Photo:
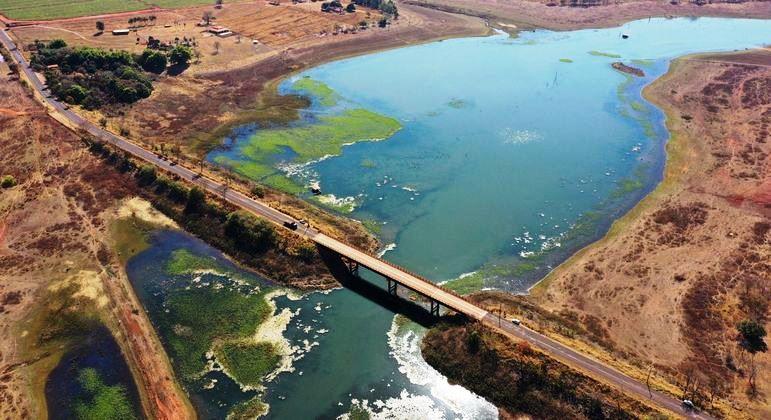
x=342 y=349
x=507 y=156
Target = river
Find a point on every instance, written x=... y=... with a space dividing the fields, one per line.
x=511 y=153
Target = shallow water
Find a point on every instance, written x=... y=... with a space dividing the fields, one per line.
x=342 y=351
x=507 y=155
x=98 y=351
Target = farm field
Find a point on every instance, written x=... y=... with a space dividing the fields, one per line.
x=57 y=9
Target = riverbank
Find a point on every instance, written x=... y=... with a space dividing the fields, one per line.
x=673 y=277
x=522 y=381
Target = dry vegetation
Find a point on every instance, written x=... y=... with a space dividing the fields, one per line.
x=511 y=15
x=672 y=280
x=53 y=231
x=522 y=381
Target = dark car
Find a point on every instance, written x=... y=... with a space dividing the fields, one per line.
x=290 y=225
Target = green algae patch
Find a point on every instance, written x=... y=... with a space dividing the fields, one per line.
x=604 y=54
x=457 y=103
x=248 y=362
x=373 y=226
x=102 y=401
x=318 y=90
x=196 y=317
x=368 y=163
x=183 y=261
x=467 y=284
x=251 y=409
x=325 y=137
x=565 y=60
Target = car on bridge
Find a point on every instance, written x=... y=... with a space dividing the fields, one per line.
x=290 y=225
x=516 y=321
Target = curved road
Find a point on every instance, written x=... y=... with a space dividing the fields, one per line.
x=449 y=299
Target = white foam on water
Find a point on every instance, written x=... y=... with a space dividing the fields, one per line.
x=512 y=136
x=405 y=348
x=389 y=247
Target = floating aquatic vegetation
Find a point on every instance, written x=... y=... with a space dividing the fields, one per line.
x=566 y=60
x=319 y=91
x=604 y=54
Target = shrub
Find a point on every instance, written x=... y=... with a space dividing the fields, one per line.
x=8 y=181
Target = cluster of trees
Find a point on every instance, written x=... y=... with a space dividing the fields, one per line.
x=89 y=76
x=134 y=21
x=93 y=77
x=386 y=6
x=156 y=61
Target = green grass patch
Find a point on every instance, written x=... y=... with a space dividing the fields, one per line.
x=318 y=90
x=102 y=401
x=196 y=317
x=565 y=60
x=248 y=362
x=604 y=54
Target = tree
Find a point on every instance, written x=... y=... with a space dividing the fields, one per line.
x=751 y=336
x=207 y=17
x=56 y=44
x=153 y=61
x=195 y=201
x=146 y=175
x=180 y=55
x=100 y=26
x=249 y=233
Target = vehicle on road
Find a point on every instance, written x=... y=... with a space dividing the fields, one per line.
x=688 y=405
x=290 y=225
x=515 y=321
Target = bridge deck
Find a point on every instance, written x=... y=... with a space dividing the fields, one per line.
x=412 y=281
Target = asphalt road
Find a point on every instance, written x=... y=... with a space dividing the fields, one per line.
x=425 y=287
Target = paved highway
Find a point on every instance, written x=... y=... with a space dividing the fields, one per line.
x=400 y=275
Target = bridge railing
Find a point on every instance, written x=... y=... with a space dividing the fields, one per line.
x=406 y=271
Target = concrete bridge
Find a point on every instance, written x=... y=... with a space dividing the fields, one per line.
x=397 y=276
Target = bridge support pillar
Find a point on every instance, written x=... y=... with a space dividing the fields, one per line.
x=392 y=287
x=353 y=267
x=434 y=308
